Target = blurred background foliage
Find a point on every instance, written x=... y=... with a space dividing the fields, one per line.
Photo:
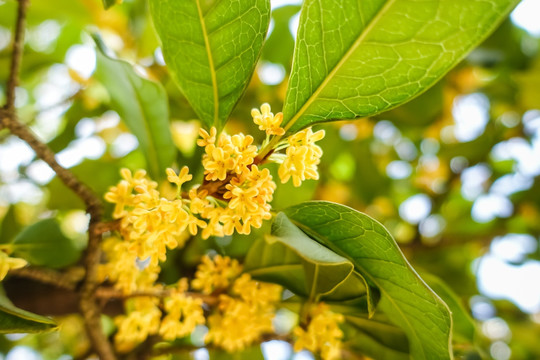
x=453 y=174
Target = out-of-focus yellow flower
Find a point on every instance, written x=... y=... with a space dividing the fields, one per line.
x=267 y=121
x=322 y=335
x=142 y=320
x=241 y=319
x=302 y=158
x=183 y=314
x=8 y=263
x=216 y=273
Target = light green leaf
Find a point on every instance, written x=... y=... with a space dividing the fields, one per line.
x=44 y=244
x=143 y=105
x=364 y=57
x=211 y=48
x=15 y=320
x=291 y=258
x=405 y=298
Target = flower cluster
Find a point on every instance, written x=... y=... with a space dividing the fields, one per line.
x=234 y=196
x=174 y=316
x=322 y=334
x=245 y=312
x=303 y=156
x=150 y=223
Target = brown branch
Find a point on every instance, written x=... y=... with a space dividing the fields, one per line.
x=16 y=57
x=67 y=281
x=8 y=119
x=111 y=293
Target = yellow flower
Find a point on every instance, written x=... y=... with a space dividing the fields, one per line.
x=302 y=158
x=207 y=138
x=217 y=161
x=215 y=273
x=179 y=179
x=142 y=320
x=241 y=320
x=183 y=314
x=267 y=121
x=322 y=334
x=9 y=263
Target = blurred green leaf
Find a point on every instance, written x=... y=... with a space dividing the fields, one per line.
x=405 y=298
x=62 y=199
x=143 y=105
x=377 y=338
x=10 y=227
x=383 y=58
x=15 y=320
x=292 y=259
x=464 y=327
x=279 y=46
x=44 y=244
x=109 y=3
x=211 y=48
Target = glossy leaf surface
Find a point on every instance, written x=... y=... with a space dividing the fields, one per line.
x=364 y=57
x=142 y=105
x=15 y=320
x=211 y=48
x=405 y=298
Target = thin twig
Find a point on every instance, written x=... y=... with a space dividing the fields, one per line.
x=111 y=293
x=16 y=57
x=48 y=276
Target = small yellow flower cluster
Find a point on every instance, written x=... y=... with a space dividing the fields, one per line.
x=151 y=224
x=8 y=263
x=303 y=156
x=267 y=121
x=183 y=313
x=245 y=313
x=322 y=334
x=121 y=268
x=248 y=188
x=144 y=318
x=216 y=273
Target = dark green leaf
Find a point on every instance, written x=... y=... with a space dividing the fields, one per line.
x=108 y=3
x=291 y=258
x=15 y=320
x=383 y=57
x=44 y=244
x=211 y=48
x=377 y=338
x=143 y=105
x=405 y=298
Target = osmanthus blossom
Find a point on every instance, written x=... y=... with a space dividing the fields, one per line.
x=235 y=196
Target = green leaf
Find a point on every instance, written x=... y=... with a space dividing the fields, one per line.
x=405 y=298
x=464 y=326
x=44 y=244
x=279 y=45
x=143 y=105
x=109 y=3
x=364 y=57
x=292 y=259
x=15 y=320
x=211 y=48
x=377 y=338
